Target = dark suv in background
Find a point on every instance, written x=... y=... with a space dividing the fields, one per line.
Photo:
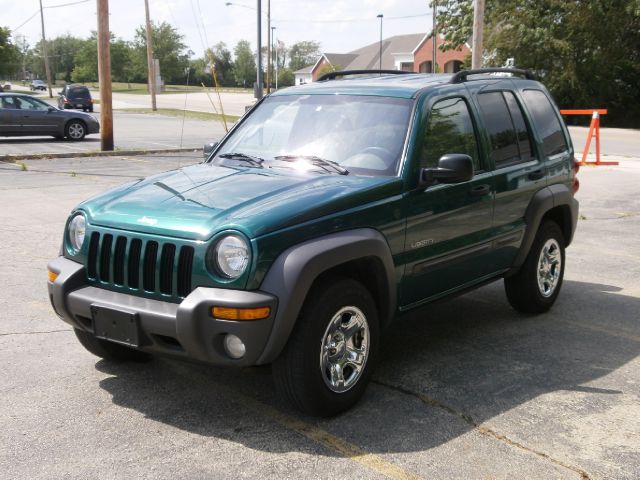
x=75 y=96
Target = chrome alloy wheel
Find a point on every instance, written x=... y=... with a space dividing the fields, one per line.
x=344 y=350
x=76 y=131
x=549 y=267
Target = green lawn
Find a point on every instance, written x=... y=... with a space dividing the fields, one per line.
x=174 y=112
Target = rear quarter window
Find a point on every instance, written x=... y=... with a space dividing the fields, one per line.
x=546 y=122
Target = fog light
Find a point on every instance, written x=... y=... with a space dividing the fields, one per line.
x=234 y=346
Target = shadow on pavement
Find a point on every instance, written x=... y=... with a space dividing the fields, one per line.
x=442 y=370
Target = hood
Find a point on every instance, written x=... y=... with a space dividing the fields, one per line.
x=197 y=201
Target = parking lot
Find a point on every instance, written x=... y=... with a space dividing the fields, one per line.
x=466 y=388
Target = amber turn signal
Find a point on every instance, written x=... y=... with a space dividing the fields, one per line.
x=225 y=313
x=52 y=276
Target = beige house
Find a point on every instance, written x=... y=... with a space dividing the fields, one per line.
x=412 y=53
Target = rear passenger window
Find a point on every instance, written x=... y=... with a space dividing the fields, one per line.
x=547 y=122
x=449 y=130
x=510 y=140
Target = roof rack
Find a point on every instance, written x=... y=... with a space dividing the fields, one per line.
x=462 y=75
x=341 y=73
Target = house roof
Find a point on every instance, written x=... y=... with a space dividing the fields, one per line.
x=304 y=70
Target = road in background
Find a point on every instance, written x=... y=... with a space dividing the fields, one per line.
x=140 y=131
x=466 y=388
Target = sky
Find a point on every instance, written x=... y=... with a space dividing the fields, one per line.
x=339 y=25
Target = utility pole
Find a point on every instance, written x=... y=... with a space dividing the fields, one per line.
x=259 y=59
x=380 y=16
x=274 y=53
x=268 y=46
x=478 y=30
x=150 y=65
x=434 y=35
x=44 y=52
x=104 y=76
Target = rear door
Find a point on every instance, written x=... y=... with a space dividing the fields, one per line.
x=10 y=116
x=519 y=171
x=448 y=236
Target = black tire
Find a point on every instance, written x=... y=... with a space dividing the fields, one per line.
x=297 y=372
x=75 y=130
x=91 y=109
x=523 y=290
x=109 y=350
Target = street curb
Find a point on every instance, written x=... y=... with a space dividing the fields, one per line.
x=100 y=153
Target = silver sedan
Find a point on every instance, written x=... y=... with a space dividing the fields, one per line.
x=24 y=115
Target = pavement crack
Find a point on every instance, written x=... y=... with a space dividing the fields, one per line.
x=481 y=428
x=35 y=333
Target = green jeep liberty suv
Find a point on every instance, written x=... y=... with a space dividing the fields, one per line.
x=327 y=211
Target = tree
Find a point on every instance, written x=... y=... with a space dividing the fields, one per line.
x=585 y=52
x=168 y=48
x=303 y=54
x=286 y=78
x=328 y=69
x=9 y=53
x=244 y=67
x=86 y=60
x=221 y=57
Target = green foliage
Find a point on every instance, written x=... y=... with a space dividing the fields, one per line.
x=302 y=54
x=221 y=57
x=168 y=48
x=586 y=53
x=244 y=69
x=9 y=53
x=286 y=78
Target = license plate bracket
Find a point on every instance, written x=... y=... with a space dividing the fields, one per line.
x=117 y=326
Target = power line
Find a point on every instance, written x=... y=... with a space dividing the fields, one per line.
x=351 y=20
x=51 y=6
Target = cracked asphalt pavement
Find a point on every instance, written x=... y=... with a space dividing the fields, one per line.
x=466 y=388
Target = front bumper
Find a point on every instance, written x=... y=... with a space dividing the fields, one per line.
x=184 y=330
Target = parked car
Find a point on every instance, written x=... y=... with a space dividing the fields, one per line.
x=75 y=96
x=24 y=115
x=38 y=85
x=327 y=211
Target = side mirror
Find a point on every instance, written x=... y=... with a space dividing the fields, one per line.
x=452 y=168
x=51 y=109
x=208 y=148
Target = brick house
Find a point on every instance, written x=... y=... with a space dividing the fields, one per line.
x=412 y=52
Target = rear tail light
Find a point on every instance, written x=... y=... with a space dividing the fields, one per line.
x=575 y=186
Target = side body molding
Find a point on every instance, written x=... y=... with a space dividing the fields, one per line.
x=292 y=274
x=557 y=195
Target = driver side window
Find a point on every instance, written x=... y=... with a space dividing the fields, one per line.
x=449 y=130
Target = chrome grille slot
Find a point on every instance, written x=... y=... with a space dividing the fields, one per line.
x=166 y=268
x=105 y=257
x=92 y=260
x=134 y=263
x=118 y=260
x=149 y=269
x=185 y=263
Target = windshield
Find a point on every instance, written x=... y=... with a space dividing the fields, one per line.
x=344 y=134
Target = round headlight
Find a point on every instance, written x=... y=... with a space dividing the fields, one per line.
x=231 y=255
x=76 y=231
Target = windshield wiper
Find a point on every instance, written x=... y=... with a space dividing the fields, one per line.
x=256 y=161
x=316 y=161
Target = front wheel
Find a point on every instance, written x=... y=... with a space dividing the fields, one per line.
x=75 y=130
x=536 y=286
x=327 y=363
x=109 y=350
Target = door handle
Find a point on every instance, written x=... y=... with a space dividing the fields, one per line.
x=536 y=174
x=481 y=190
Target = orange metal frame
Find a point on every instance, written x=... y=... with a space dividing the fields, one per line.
x=594 y=131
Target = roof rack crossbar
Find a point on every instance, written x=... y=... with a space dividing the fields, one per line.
x=341 y=73
x=462 y=75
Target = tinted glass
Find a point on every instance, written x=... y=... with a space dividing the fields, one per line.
x=28 y=103
x=364 y=134
x=78 y=93
x=546 y=121
x=524 y=138
x=449 y=130
x=497 y=121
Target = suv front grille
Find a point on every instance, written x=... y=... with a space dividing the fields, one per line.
x=133 y=263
